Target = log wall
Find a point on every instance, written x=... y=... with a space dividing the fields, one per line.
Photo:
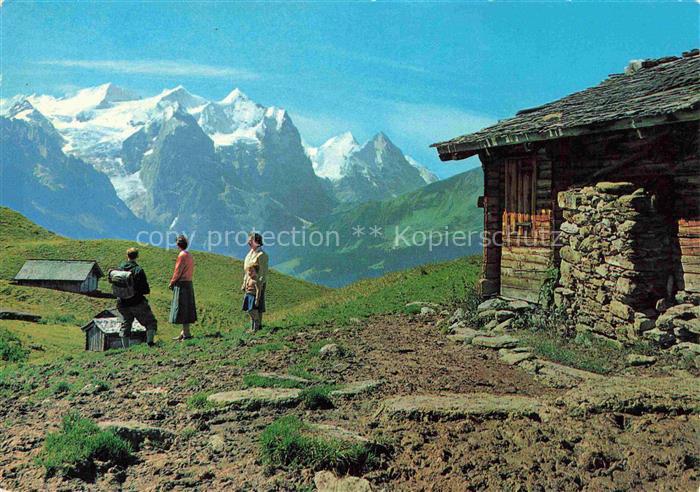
x=663 y=160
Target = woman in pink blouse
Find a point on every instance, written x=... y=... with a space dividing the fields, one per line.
x=183 y=310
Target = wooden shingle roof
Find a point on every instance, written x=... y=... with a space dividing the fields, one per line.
x=649 y=93
x=58 y=270
x=110 y=321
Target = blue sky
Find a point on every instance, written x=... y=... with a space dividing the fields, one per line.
x=420 y=72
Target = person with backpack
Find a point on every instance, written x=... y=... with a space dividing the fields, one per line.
x=130 y=285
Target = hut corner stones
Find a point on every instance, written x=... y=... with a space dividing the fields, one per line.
x=599 y=193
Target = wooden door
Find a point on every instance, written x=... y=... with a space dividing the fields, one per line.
x=526 y=250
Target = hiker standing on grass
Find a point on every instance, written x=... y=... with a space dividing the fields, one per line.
x=258 y=259
x=133 y=304
x=183 y=310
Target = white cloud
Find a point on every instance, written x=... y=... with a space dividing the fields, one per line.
x=377 y=60
x=176 y=68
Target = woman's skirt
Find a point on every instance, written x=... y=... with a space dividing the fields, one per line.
x=248 y=302
x=183 y=308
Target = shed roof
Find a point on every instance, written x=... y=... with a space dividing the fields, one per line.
x=60 y=270
x=110 y=321
x=649 y=93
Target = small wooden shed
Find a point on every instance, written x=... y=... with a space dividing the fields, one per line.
x=602 y=185
x=80 y=276
x=102 y=333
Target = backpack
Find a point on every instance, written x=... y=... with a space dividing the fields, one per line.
x=122 y=283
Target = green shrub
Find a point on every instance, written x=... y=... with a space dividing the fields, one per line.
x=11 y=348
x=290 y=442
x=317 y=397
x=72 y=451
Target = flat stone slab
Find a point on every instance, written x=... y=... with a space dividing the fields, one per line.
x=327 y=481
x=463 y=335
x=138 y=433
x=356 y=388
x=254 y=398
x=328 y=431
x=503 y=341
x=515 y=358
x=635 y=395
x=640 y=360
x=456 y=406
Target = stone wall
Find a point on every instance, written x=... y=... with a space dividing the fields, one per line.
x=616 y=259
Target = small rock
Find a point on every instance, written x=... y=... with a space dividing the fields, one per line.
x=330 y=350
x=502 y=315
x=619 y=188
x=463 y=335
x=503 y=341
x=489 y=305
x=326 y=481
x=425 y=311
x=640 y=360
x=515 y=358
x=503 y=327
x=489 y=314
x=518 y=305
x=661 y=338
x=457 y=316
x=217 y=443
x=138 y=433
x=90 y=389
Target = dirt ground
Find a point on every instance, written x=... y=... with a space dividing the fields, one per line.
x=605 y=451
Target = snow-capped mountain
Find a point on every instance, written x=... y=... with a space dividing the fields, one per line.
x=60 y=192
x=427 y=175
x=179 y=160
x=373 y=171
x=328 y=159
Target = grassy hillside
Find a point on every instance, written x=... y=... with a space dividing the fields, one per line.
x=444 y=206
x=217 y=281
x=293 y=304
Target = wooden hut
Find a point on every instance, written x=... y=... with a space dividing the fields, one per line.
x=102 y=333
x=70 y=275
x=601 y=186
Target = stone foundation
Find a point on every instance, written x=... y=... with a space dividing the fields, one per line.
x=616 y=259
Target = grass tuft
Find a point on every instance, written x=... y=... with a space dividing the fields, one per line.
x=72 y=451
x=256 y=380
x=199 y=401
x=60 y=388
x=317 y=397
x=11 y=348
x=289 y=442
